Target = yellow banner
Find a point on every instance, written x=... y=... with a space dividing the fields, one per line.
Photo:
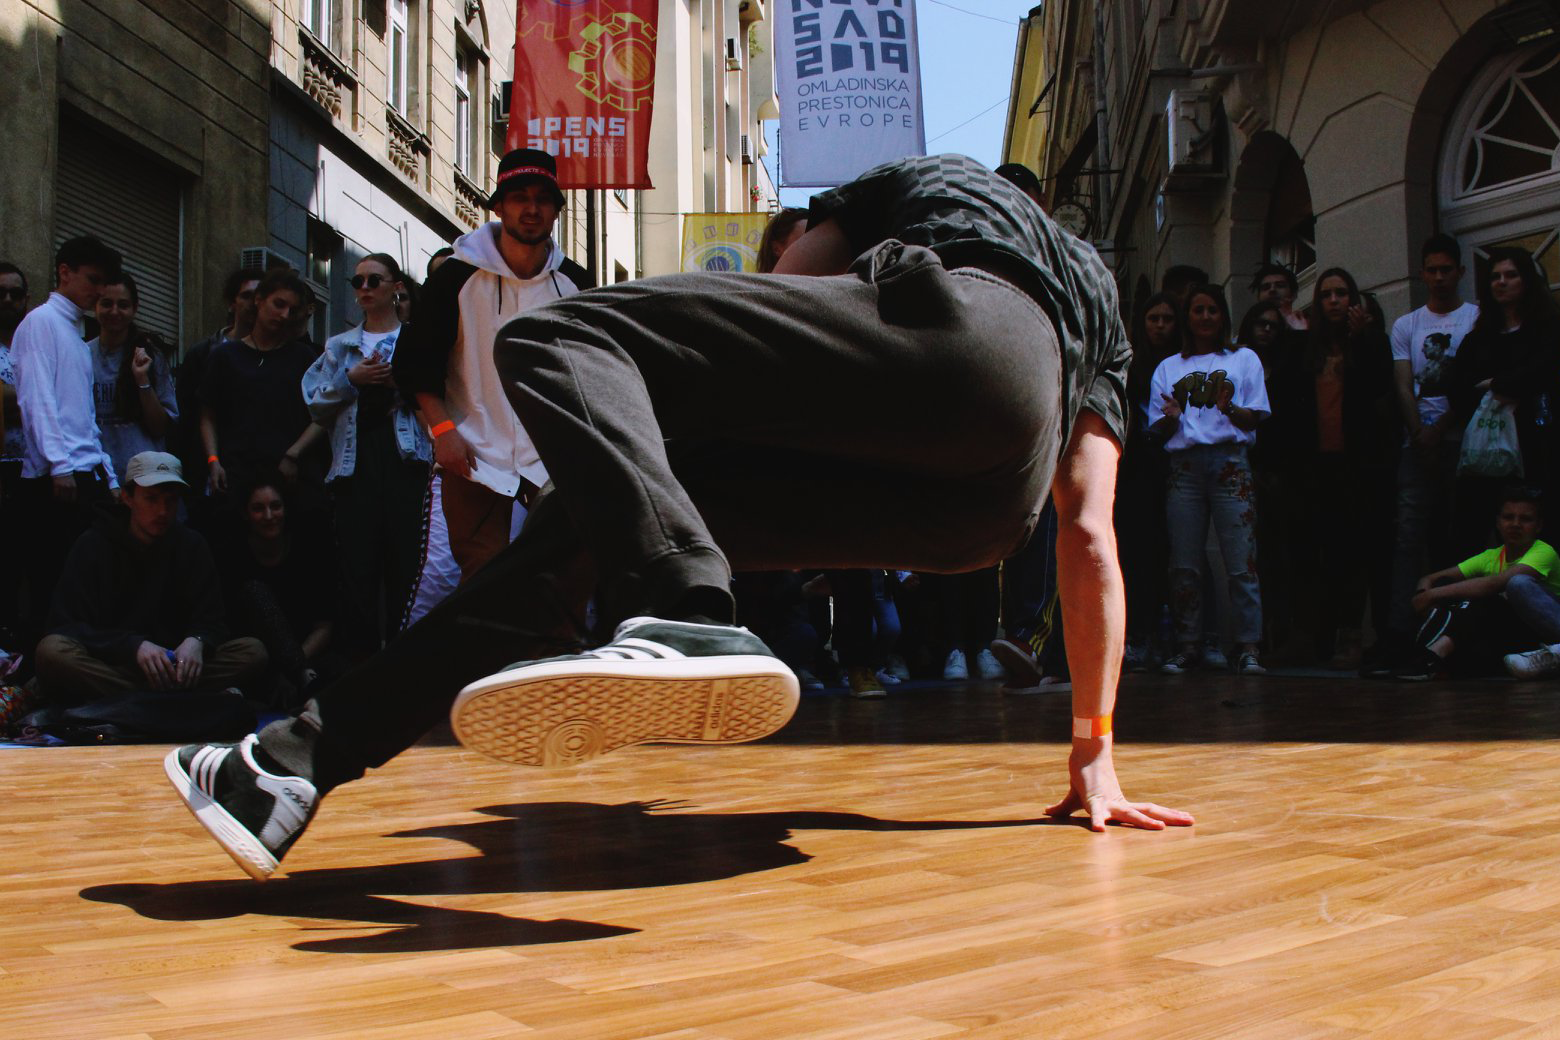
x=722 y=241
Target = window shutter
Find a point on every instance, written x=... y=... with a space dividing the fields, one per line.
x=131 y=202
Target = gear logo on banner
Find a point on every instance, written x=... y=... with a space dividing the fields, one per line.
x=584 y=88
x=616 y=62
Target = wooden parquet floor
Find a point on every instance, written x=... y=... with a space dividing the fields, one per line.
x=1370 y=861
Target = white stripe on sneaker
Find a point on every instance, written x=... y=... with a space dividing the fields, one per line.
x=204 y=766
x=660 y=650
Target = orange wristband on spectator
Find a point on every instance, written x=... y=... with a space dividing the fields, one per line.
x=210 y=459
x=440 y=430
x=1091 y=728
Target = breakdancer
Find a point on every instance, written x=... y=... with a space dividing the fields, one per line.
x=696 y=423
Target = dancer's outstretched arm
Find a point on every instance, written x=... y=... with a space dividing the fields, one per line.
x=1094 y=620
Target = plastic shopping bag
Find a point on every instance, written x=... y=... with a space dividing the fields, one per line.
x=1489 y=447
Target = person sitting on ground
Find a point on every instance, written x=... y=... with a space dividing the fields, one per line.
x=138 y=606
x=1464 y=608
x=280 y=586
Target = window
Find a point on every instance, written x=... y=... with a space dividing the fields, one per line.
x=1516 y=135
x=400 y=54
x=323 y=244
x=319 y=19
x=466 y=132
x=1500 y=164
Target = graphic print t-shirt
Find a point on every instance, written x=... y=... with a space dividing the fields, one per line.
x=1428 y=342
x=1197 y=383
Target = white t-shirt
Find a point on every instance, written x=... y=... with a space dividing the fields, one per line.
x=373 y=344
x=1428 y=342
x=1196 y=383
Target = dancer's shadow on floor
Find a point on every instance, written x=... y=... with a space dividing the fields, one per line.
x=536 y=847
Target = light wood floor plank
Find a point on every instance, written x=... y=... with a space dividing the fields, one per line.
x=1370 y=861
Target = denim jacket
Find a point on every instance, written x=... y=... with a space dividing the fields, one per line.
x=332 y=401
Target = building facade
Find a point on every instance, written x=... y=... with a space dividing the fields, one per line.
x=1224 y=133
x=197 y=136
x=145 y=122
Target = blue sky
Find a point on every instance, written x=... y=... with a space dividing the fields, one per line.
x=966 y=72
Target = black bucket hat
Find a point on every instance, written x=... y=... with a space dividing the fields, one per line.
x=521 y=166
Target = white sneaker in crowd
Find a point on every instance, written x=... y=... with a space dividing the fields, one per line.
x=954 y=668
x=1535 y=664
x=988 y=667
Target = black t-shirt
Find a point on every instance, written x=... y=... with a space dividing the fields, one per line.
x=257 y=399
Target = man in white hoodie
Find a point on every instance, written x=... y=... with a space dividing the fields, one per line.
x=445 y=358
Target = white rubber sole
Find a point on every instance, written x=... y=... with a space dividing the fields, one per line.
x=1055 y=686
x=246 y=850
x=562 y=713
x=1021 y=667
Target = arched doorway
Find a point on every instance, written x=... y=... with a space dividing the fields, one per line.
x=1272 y=216
x=1500 y=162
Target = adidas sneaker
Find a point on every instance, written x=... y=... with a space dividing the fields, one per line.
x=656 y=681
x=254 y=814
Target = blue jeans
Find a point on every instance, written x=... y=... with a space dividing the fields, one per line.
x=1213 y=481
x=1535 y=605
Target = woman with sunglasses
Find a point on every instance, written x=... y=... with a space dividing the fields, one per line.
x=1513 y=352
x=132 y=384
x=380 y=457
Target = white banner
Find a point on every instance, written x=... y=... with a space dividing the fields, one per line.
x=849 y=78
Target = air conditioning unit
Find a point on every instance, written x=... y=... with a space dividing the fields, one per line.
x=747 y=151
x=501 y=100
x=1190 y=134
x=260 y=258
x=733 y=54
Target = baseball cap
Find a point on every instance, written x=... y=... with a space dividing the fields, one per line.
x=151 y=468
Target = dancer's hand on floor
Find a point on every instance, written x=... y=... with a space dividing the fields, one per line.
x=1095 y=790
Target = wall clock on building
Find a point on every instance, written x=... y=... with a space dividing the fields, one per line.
x=1072 y=218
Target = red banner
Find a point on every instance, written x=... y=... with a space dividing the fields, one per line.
x=584 y=81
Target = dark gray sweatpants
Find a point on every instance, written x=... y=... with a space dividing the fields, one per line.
x=901 y=415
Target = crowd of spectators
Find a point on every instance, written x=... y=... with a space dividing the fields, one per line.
x=255 y=514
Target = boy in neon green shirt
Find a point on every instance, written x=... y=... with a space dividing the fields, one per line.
x=1467 y=606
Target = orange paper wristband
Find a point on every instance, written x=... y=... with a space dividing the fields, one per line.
x=444 y=427
x=1091 y=728
x=210 y=459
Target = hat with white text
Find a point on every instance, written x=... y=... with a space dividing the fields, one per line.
x=521 y=166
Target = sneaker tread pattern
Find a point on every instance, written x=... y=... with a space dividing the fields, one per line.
x=565 y=720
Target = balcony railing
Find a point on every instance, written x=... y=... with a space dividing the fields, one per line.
x=326 y=78
x=470 y=201
x=407 y=147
